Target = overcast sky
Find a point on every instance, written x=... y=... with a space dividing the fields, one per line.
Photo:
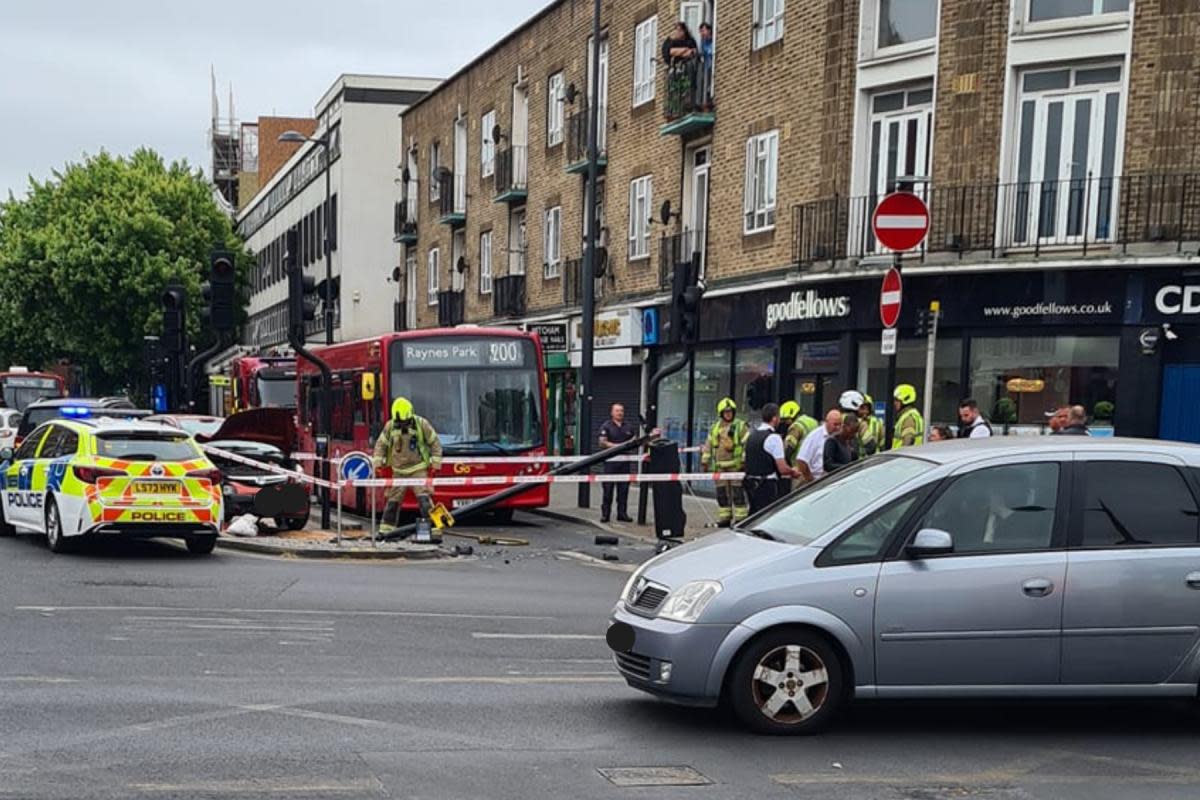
x=77 y=76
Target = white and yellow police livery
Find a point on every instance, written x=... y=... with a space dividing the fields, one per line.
x=74 y=477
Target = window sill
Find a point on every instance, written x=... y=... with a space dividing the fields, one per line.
x=634 y=259
x=746 y=232
x=1076 y=26
x=896 y=53
x=758 y=48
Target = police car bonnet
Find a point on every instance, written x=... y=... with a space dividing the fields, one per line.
x=273 y=426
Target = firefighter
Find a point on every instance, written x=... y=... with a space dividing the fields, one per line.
x=408 y=446
x=795 y=426
x=870 y=429
x=910 y=425
x=725 y=451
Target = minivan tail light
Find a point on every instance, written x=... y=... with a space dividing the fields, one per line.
x=213 y=475
x=92 y=474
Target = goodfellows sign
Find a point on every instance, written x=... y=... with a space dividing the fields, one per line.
x=807 y=305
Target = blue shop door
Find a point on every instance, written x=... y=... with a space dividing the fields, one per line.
x=1180 y=419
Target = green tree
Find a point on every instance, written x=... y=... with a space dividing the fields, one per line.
x=84 y=258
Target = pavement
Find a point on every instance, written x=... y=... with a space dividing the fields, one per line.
x=133 y=669
x=564 y=505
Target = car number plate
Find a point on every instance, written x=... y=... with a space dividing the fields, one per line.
x=459 y=502
x=155 y=487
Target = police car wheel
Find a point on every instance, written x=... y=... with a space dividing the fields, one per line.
x=54 y=533
x=201 y=545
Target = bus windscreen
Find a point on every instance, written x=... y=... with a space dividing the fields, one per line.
x=480 y=394
x=21 y=390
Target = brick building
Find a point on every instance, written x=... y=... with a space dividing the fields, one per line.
x=1054 y=141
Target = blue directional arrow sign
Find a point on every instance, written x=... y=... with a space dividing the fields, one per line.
x=356 y=467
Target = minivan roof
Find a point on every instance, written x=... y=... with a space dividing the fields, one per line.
x=962 y=450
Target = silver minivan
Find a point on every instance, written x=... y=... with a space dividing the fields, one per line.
x=1005 y=567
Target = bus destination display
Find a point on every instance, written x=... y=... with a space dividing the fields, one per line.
x=464 y=353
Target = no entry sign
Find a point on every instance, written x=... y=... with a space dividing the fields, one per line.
x=890 y=295
x=901 y=221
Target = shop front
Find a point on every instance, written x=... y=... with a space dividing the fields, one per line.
x=618 y=362
x=560 y=386
x=1020 y=342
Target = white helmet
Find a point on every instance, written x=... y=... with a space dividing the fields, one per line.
x=851 y=400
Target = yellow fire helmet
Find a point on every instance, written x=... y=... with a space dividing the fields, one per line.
x=906 y=394
x=402 y=409
x=789 y=410
x=726 y=404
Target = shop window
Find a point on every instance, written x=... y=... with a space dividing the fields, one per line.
x=712 y=380
x=754 y=379
x=910 y=368
x=1017 y=379
x=673 y=404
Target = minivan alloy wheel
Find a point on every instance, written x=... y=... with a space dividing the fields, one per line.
x=790 y=684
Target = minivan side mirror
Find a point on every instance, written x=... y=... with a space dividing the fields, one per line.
x=930 y=542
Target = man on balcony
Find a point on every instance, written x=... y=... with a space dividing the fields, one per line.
x=706 y=66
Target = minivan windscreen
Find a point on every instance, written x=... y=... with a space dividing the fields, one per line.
x=815 y=510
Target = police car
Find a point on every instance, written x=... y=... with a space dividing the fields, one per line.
x=100 y=476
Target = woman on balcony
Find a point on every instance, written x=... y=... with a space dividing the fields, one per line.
x=679 y=53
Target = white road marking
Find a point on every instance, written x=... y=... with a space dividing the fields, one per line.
x=332 y=613
x=285 y=786
x=303 y=628
x=477 y=635
x=36 y=679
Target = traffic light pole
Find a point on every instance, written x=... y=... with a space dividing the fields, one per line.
x=588 y=327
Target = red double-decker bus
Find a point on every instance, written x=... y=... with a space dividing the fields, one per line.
x=19 y=387
x=483 y=389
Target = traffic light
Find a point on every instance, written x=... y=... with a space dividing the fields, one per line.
x=174 y=305
x=686 y=293
x=302 y=289
x=925 y=320
x=220 y=291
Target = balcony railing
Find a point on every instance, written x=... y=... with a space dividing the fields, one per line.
x=572 y=277
x=451 y=308
x=512 y=174
x=1083 y=214
x=452 y=197
x=577 y=139
x=508 y=296
x=689 y=102
x=685 y=247
x=405 y=225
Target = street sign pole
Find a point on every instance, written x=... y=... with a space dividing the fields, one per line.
x=930 y=352
x=889 y=414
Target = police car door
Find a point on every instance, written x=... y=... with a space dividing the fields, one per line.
x=22 y=506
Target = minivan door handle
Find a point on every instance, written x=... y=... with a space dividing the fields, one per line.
x=1193 y=580
x=1037 y=587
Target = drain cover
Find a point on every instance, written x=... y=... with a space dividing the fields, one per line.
x=654 y=776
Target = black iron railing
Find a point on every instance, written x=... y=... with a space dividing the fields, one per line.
x=452 y=194
x=689 y=88
x=577 y=134
x=512 y=168
x=451 y=308
x=1025 y=217
x=405 y=224
x=685 y=247
x=508 y=296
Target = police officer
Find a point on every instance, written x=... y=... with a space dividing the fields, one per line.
x=615 y=431
x=725 y=452
x=767 y=472
x=870 y=429
x=409 y=446
x=910 y=425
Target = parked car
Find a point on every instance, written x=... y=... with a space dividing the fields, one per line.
x=266 y=436
x=9 y=420
x=41 y=411
x=979 y=568
x=192 y=423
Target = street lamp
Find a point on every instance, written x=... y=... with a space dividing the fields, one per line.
x=296 y=137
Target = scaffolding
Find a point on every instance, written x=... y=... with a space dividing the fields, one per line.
x=234 y=147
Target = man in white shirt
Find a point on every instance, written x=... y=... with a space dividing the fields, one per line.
x=973 y=426
x=810 y=461
x=767 y=472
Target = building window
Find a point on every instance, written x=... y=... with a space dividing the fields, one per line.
x=487 y=151
x=1066 y=137
x=906 y=22
x=554 y=109
x=435 y=193
x=768 y=22
x=910 y=368
x=485 y=262
x=552 y=242
x=410 y=289
x=1017 y=379
x=640 y=200
x=754 y=377
x=431 y=292
x=644 y=39
x=762 y=161
x=1043 y=10
x=901 y=122
x=458 y=260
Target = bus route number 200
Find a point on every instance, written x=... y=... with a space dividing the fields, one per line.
x=502 y=353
